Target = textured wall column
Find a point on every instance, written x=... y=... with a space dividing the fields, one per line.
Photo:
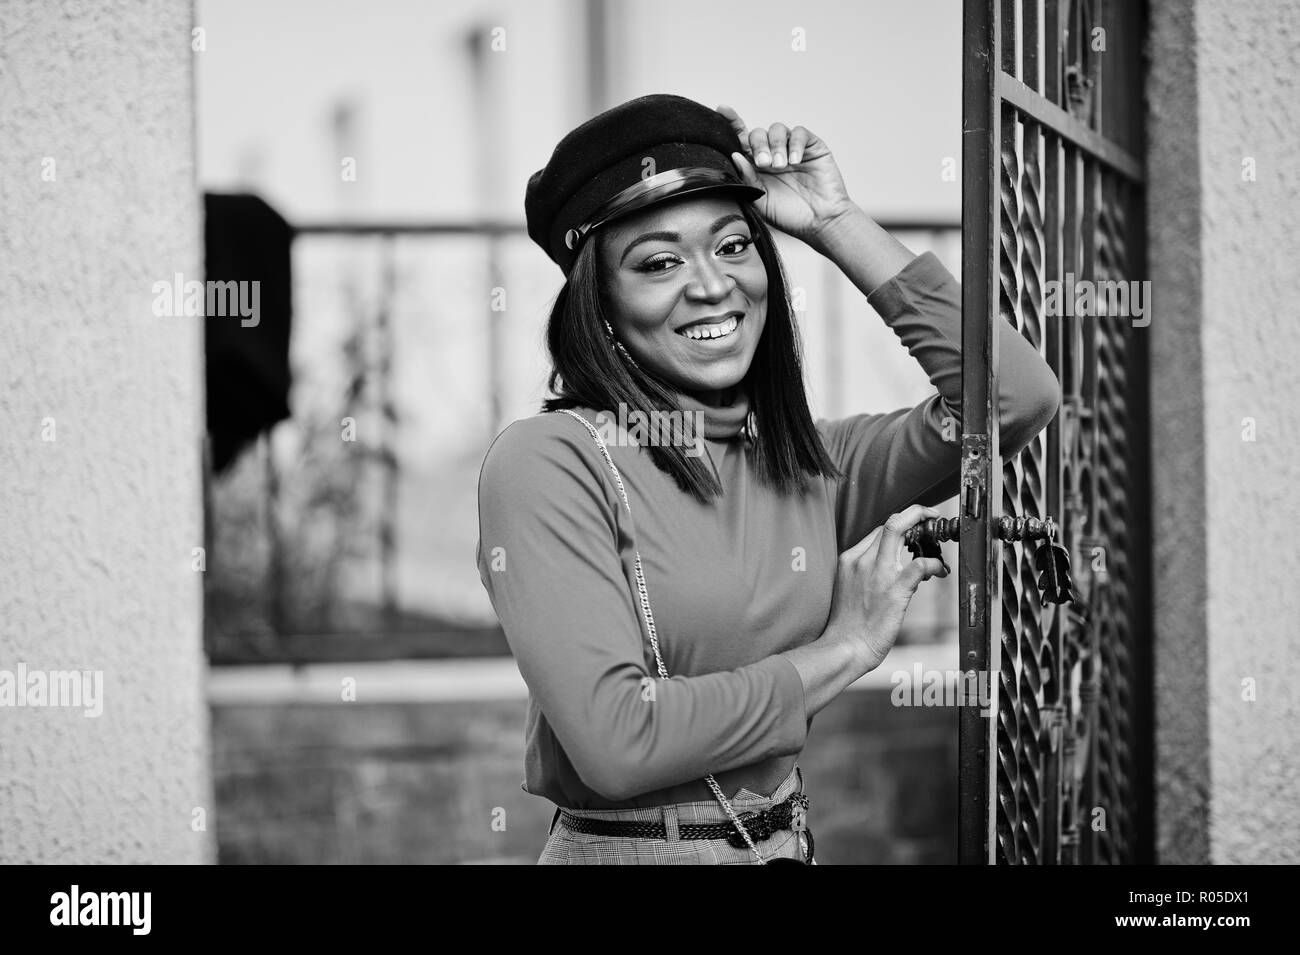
x=101 y=417
x=1224 y=133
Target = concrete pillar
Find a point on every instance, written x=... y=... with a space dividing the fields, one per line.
x=1223 y=137
x=101 y=423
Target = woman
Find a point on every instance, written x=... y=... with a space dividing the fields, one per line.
x=771 y=548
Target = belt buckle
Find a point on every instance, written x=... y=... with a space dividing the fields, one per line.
x=760 y=831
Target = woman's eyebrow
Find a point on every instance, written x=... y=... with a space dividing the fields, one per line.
x=674 y=236
x=649 y=237
x=723 y=220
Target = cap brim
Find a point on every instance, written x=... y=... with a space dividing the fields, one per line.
x=673 y=184
x=739 y=190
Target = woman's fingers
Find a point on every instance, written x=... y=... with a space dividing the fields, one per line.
x=891 y=544
x=887 y=539
x=863 y=546
x=777 y=146
x=922 y=568
x=769 y=146
x=759 y=147
x=747 y=170
x=736 y=122
x=778 y=135
x=798 y=140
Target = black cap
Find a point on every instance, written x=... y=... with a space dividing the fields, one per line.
x=645 y=151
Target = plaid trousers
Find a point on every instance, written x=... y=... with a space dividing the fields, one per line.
x=566 y=847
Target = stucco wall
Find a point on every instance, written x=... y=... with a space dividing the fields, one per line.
x=1224 y=87
x=97 y=525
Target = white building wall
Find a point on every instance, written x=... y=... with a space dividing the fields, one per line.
x=101 y=423
x=1226 y=367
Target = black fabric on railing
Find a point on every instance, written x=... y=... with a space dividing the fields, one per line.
x=247 y=359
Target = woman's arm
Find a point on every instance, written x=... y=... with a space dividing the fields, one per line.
x=549 y=521
x=912 y=454
x=868 y=254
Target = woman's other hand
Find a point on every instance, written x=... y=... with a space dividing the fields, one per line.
x=805 y=191
x=874 y=585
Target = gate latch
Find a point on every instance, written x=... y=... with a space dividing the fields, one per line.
x=1051 y=560
x=974 y=454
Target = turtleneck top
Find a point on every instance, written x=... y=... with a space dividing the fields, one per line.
x=721 y=422
x=731 y=583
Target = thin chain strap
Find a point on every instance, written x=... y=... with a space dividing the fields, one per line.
x=654 y=636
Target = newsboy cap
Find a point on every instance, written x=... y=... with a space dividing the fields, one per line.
x=644 y=151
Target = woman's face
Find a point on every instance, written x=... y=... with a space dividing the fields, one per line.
x=687 y=289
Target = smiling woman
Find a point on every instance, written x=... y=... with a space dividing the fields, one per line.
x=776 y=560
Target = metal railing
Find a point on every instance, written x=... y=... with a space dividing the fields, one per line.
x=933 y=231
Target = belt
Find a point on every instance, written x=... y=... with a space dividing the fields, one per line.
x=759 y=825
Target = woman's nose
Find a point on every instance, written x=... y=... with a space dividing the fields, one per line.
x=710 y=283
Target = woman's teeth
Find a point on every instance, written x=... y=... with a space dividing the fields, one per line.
x=720 y=330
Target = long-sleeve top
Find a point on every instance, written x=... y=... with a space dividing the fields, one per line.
x=731 y=583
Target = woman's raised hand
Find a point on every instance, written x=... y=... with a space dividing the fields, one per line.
x=805 y=191
x=874 y=585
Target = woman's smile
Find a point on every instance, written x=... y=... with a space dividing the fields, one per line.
x=711 y=330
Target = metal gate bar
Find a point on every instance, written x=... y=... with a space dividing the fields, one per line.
x=1052 y=187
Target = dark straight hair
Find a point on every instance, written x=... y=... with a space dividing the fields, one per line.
x=588 y=372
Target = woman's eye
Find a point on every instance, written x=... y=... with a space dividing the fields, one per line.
x=736 y=244
x=657 y=264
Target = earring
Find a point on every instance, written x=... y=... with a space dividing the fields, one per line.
x=618 y=345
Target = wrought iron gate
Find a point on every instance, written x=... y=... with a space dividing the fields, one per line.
x=1060 y=772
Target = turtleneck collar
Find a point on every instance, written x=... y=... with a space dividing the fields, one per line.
x=721 y=422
